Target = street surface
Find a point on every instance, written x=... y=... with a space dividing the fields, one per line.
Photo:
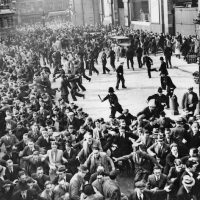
x=139 y=86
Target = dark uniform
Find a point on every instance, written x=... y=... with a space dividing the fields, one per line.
x=112 y=59
x=115 y=106
x=148 y=61
x=120 y=76
x=163 y=73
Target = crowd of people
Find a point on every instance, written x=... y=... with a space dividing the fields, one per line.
x=51 y=149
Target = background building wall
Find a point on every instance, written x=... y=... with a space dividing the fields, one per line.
x=86 y=12
x=184 y=20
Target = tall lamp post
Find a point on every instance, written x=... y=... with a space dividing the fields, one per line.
x=197 y=75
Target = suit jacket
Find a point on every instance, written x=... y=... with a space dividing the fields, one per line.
x=85 y=151
x=58 y=158
x=163 y=69
x=148 y=195
x=40 y=181
x=41 y=142
x=31 y=195
x=72 y=163
x=160 y=152
x=14 y=175
x=160 y=184
x=183 y=195
x=185 y=100
x=104 y=161
x=75 y=122
x=75 y=186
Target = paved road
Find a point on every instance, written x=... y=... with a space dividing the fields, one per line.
x=139 y=87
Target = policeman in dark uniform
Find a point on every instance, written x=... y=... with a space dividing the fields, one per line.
x=120 y=76
x=163 y=72
x=115 y=106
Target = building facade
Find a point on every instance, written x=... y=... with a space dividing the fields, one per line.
x=86 y=12
x=7 y=17
x=152 y=15
x=32 y=11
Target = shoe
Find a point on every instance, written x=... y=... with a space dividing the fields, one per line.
x=89 y=79
x=117 y=88
x=83 y=96
x=97 y=73
x=104 y=73
x=124 y=87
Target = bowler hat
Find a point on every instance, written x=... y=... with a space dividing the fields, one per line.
x=188 y=181
x=61 y=169
x=7 y=183
x=161 y=58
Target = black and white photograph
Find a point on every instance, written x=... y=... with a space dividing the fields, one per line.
x=99 y=99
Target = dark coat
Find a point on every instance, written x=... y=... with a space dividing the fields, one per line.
x=185 y=104
x=152 y=183
x=14 y=175
x=163 y=69
x=183 y=195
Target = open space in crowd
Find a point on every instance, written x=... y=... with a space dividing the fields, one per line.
x=52 y=149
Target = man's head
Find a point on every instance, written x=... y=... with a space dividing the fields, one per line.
x=95 y=151
x=88 y=137
x=190 y=89
x=54 y=145
x=22 y=177
x=188 y=182
x=48 y=186
x=178 y=165
x=157 y=171
x=9 y=163
x=82 y=170
x=39 y=171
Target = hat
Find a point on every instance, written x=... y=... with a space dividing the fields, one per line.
x=125 y=111
x=61 y=169
x=30 y=180
x=56 y=134
x=83 y=168
x=188 y=181
x=88 y=189
x=160 y=89
x=70 y=113
x=152 y=103
x=161 y=58
x=79 y=109
x=140 y=184
x=113 y=174
x=7 y=183
x=190 y=88
x=110 y=90
x=179 y=119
